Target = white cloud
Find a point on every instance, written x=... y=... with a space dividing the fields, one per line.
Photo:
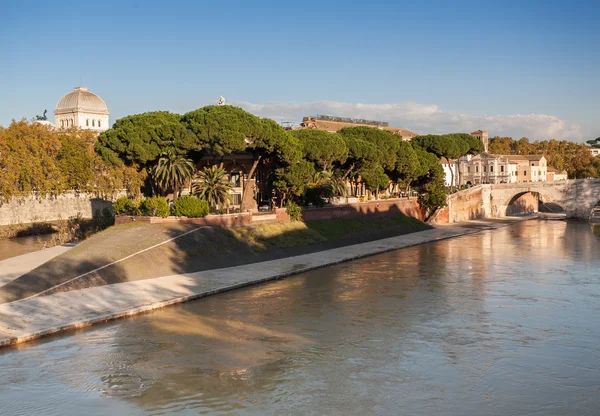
x=426 y=118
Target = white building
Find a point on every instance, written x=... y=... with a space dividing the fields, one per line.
x=82 y=109
x=450 y=171
x=594 y=151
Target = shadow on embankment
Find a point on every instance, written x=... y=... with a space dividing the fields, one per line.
x=143 y=251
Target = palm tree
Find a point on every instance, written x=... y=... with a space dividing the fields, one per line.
x=172 y=171
x=213 y=185
x=329 y=184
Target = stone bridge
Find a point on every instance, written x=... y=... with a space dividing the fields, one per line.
x=577 y=197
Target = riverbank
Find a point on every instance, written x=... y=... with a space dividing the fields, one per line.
x=138 y=251
x=40 y=316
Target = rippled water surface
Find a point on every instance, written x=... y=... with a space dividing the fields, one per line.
x=505 y=322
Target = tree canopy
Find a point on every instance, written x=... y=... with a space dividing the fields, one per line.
x=142 y=138
x=322 y=147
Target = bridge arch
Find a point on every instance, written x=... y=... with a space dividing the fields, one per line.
x=527 y=201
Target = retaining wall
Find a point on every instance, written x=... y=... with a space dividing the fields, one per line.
x=61 y=207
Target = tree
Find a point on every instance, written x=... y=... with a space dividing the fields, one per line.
x=227 y=129
x=322 y=147
x=384 y=141
x=28 y=153
x=446 y=145
x=292 y=180
x=407 y=165
x=501 y=145
x=213 y=185
x=430 y=182
x=594 y=143
x=172 y=171
x=75 y=161
x=374 y=178
x=360 y=152
x=142 y=138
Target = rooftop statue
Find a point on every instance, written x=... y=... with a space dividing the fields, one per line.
x=44 y=118
x=221 y=100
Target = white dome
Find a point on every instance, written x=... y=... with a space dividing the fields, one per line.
x=81 y=100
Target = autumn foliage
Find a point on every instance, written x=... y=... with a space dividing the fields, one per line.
x=34 y=158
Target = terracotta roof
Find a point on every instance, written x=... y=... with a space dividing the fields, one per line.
x=445 y=161
x=564 y=172
x=478 y=131
x=334 y=126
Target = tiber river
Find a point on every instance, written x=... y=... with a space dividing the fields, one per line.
x=504 y=322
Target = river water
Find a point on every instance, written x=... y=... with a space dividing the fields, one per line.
x=504 y=322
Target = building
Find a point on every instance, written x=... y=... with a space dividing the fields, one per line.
x=482 y=135
x=81 y=109
x=556 y=175
x=334 y=124
x=530 y=168
x=485 y=168
x=594 y=151
x=450 y=172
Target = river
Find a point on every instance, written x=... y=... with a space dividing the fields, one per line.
x=503 y=322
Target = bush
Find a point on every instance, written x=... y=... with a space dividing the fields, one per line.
x=126 y=206
x=155 y=206
x=294 y=211
x=312 y=196
x=189 y=206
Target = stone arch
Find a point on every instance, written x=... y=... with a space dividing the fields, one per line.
x=519 y=203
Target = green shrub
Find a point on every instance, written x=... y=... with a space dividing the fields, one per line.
x=189 y=206
x=155 y=206
x=294 y=211
x=312 y=196
x=126 y=206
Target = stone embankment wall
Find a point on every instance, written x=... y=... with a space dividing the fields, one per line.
x=406 y=206
x=462 y=206
x=35 y=209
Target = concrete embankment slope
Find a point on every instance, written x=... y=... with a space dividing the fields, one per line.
x=140 y=251
x=36 y=317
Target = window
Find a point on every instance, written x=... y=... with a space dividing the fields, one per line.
x=501 y=168
x=524 y=173
x=477 y=168
x=93 y=123
x=87 y=123
x=485 y=168
x=235 y=179
x=98 y=123
x=492 y=168
x=62 y=123
x=468 y=169
x=532 y=164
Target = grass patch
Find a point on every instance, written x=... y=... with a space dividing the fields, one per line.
x=295 y=234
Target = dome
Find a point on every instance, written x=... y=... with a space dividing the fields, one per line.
x=81 y=100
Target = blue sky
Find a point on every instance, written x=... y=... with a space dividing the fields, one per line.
x=522 y=68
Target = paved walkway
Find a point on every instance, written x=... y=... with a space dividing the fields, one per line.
x=14 y=267
x=32 y=318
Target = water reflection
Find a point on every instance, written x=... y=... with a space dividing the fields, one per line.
x=502 y=322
